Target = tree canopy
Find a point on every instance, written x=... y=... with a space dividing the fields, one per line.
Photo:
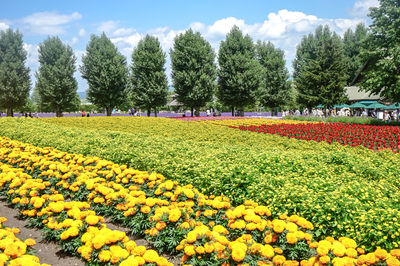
x=239 y=76
x=106 y=72
x=275 y=90
x=14 y=75
x=193 y=69
x=56 y=83
x=382 y=54
x=149 y=85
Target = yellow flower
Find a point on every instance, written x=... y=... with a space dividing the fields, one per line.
x=92 y=219
x=150 y=256
x=208 y=247
x=278 y=259
x=325 y=259
x=381 y=253
x=104 y=255
x=291 y=238
x=30 y=242
x=189 y=250
x=267 y=251
x=174 y=215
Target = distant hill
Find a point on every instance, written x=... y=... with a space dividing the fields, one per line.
x=82 y=95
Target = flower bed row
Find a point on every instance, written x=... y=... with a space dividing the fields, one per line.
x=14 y=251
x=205 y=230
x=372 y=137
x=78 y=230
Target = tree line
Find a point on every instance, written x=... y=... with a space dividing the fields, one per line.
x=244 y=72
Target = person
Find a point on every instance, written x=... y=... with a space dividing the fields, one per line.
x=208 y=112
x=83 y=113
x=30 y=115
x=88 y=114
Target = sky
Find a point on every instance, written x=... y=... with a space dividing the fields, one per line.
x=283 y=22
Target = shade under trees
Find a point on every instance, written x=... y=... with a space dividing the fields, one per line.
x=353 y=42
x=382 y=54
x=106 y=72
x=320 y=69
x=275 y=88
x=193 y=70
x=56 y=83
x=149 y=85
x=239 y=76
x=14 y=75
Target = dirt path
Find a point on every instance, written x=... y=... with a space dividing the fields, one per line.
x=47 y=252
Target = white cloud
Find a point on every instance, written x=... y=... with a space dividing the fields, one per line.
x=361 y=8
x=107 y=26
x=74 y=40
x=3 y=26
x=32 y=54
x=49 y=23
x=82 y=32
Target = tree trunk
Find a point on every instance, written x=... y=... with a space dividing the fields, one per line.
x=10 y=112
x=58 y=112
x=108 y=111
x=241 y=111
x=272 y=111
x=148 y=112
x=197 y=111
x=155 y=111
x=191 y=110
x=233 y=111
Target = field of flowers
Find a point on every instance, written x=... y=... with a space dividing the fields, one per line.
x=372 y=137
x=68 y=195
x=342 y=190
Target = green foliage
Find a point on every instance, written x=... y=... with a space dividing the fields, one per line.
x=320 y=71
x=193 y=69
x=14 y=76
x=239 y=76
x=106 y=72
x=148 y=78
x=276 y=90
x=56 y=83
x=352 y=44
x=382 y=54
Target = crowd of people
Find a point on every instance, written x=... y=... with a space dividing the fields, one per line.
x=386 y=115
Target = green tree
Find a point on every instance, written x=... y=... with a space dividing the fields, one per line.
x=275 y=90
x=382 y=55
x=14 y=75
x=106 y=72
x=239 y=76
x=320 y=69
x=352 y=44
x=56 y=83
x=193 y=70
x=148 y=79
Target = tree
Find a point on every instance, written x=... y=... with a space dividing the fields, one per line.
x=275 y=90
x=193 y=70
x=56 y=83
x=320 y=70
x=352 y=45
x=148 y=78
x=239 y=75
x=382 y=55
x=106 y=72
x=14 y=76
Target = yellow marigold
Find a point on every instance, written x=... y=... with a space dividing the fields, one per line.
x=338 y=249
x=169 y=185
x=348 y=242
x=370 y=258
x=381 y=254
x=30 y=242
x=278 y=226
x=104 y=255
x=189 y=250
x=92 y=219
x=150 y=256
x=392 y=261
x=325 y=259
x=98 y=241
x=394 y=252
x=145 y=209
x=278 y=259
x=291 y=227
x=174 y=215
x=56 y=207
x=267 y=251
x=239 y=252
x=322 y=250
x=351 y=252
x=208 y=247
x=291 y=238
x=200 y=250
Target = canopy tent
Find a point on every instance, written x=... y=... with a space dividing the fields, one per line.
x=320 y=106
x=368 y=102
x=393 y=106
x=358 y=105
x=341 y=106
x=376 y=106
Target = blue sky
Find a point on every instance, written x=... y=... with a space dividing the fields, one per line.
x=283 y=22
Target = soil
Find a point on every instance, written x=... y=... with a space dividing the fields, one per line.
x=48 y=251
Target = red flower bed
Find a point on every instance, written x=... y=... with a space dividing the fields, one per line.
x=372 y=137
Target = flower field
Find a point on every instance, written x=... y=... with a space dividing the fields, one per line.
x=343 y=191
x=372 y=137
x=67 y=194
